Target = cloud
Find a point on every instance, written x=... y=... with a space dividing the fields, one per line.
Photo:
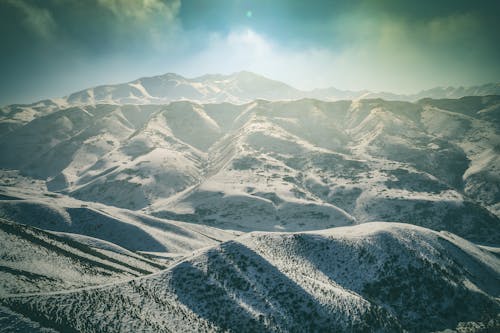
x=38 y=21
x=389 y=45
x=381 y=53
x=99 y=25
x=453 y=27
x=142 y=10
x=153 y=21
x=411 y=54
x=245 y=49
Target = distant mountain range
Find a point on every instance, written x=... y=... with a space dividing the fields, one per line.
x=243 y=87
x=237 y=88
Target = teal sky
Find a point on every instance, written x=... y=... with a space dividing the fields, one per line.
x=53 y=47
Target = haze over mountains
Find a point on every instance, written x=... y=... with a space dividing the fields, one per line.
x=238 y=88
x=190 y=178
x=243 y=87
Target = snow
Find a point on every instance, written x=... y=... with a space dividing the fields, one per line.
x=235 y=202
x=287 y=165
x=341 y=276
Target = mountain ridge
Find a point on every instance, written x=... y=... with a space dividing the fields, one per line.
x=287 y=165
x=215 y=88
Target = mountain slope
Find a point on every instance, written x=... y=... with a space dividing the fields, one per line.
x=362 y=161
x=90 y=223
x=375 y=277
x=33 y=260
x=294 y=165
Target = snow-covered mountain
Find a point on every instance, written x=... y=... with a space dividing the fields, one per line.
x=436 y=93
x=377 y=277
x=237 y=88
x=243 y=87
x=290 y=165
x=454 y=92
x=226 y=203
x=53 y=242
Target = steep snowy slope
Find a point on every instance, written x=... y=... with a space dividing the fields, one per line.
x=33 y=260
x=376 y=277
x=250 y=183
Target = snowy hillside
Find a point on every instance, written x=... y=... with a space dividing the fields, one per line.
x=33 y=260
x=293 y=165
x=24 y=203
x=376 y=277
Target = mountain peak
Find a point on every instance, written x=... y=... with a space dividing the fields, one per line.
x=247 y=74
x=166 y=76
x=236 y=75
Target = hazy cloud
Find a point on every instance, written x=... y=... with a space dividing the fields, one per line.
x=142 y=9
x=38 y=21
x=410 y=54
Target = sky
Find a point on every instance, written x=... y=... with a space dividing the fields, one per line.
x=51 y=48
